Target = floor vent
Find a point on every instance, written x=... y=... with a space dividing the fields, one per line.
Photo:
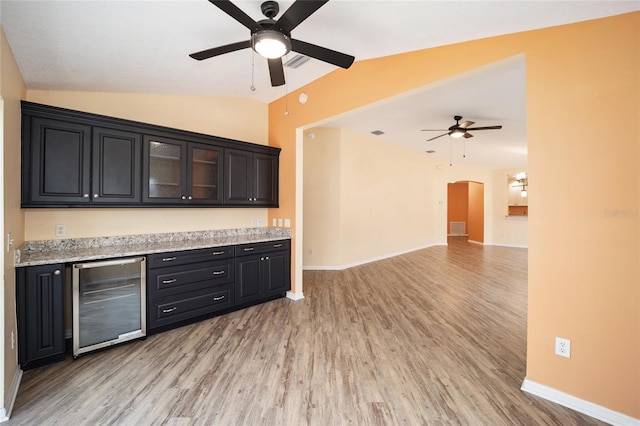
x=457 y=228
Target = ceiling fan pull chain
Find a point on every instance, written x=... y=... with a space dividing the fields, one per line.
x=464 y=149
x=252 y=88
x=286 y=95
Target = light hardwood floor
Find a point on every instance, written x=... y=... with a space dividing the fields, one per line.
x=434 y=337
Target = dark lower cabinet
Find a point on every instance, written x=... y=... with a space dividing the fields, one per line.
x=40 y=308
x=263 y=270
x=186 y=285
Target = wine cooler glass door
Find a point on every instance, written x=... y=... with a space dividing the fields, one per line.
x=109 y=303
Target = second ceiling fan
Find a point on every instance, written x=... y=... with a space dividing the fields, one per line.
x=460 y=130
x=272 y=39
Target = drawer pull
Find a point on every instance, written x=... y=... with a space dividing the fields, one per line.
x=168 y=259
x=277 y=245
x=218 y=272
x=172 y=280
x=216 y=253
x=248 y=249
x=215 y=299
x=166 y=311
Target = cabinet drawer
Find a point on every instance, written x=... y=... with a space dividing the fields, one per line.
x=168 y=310
x=167 y=281
x=162 y=260
x=264 y=247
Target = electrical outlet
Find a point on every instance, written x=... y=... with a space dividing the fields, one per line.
x=274 y=222
x=61 y=230
x=287 y=223
x=563 y=347
x=279 y=222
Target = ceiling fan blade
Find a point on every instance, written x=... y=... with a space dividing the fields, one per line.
x=467 y=135
x=486 y=128
x=434 y=130
x=276 y=71
x=322 y=53
x=236 y=13
x=466 y=124
x=297 y=13
x=439 y=136
x=209 y=53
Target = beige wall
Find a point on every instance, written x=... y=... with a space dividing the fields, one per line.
x=241 y=119
x=12 y=89
x=583 y=259
x=364 y=199
x=322 y=245
x=507 y=231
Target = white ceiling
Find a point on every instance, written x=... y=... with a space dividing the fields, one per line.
x=142 y=46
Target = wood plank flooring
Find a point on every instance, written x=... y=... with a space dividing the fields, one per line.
x=434 y=337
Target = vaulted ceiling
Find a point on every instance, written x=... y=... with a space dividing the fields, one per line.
x=143 y=47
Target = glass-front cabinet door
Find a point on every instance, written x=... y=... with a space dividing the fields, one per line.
x=181 y=172
x=205 y=174
x=164 y=171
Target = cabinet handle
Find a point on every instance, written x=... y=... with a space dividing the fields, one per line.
x=168 y=259
x=190 y=197
x=95 y=195
x=166 y=311
x=183 y=197
x=215 y=299
x=216 y=253
x=248 y=249
x=56 y=272
x=266 y=258
x=85 y=195
x=218 y=272
x=172 y=280
x=277 y=245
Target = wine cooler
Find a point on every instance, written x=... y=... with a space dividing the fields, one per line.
x=109 y=303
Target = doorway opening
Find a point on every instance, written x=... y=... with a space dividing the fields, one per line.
x=465 y=211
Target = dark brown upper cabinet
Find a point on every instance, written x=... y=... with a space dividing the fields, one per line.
x=77 y=159
x=181 y=172
x=250 y=178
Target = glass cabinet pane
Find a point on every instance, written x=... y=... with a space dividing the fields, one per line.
x=165 y=161
x=205 y=163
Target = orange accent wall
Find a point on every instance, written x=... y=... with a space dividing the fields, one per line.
x=458 y=204
x=583 y=259
x=476 y=212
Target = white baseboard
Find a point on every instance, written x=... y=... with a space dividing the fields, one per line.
x=363 y=262
x=510 y=245
x=295 y=296
x=5 y=412
x=580 y=405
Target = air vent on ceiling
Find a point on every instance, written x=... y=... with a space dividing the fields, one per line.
x=296 y=61
x=430 y=151
x=378 y=132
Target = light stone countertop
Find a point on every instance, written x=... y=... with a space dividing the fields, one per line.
x=46 y=252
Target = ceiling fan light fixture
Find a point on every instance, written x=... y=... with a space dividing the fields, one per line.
x=271 y=44
x=457 y=133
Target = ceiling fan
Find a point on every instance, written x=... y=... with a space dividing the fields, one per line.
x=459 y=130
x=272 y=39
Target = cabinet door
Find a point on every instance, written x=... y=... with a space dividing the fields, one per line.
x=238 y=173
x=265 y=179
x=248 y=277
x=164 y=171
x=204 y=174
x=60 y=162
x=40 y=306
x=277 y=273
x=116 y=166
